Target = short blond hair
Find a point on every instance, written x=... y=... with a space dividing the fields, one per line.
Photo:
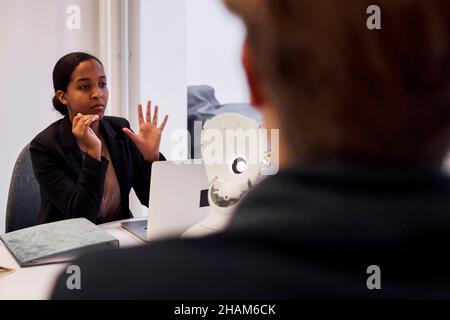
x=342 y=89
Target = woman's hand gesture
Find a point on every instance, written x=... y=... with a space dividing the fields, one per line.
x=149 y=138
x=87 y=140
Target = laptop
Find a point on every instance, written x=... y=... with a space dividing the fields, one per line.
x=178 y=200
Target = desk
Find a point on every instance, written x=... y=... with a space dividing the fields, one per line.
x=36 y=283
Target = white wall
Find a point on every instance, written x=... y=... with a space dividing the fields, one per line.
x=33 y=36
x=214 y=45
x=163 y=64
x=162 y=71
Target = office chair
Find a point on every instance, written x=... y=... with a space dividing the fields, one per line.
x=24 y=196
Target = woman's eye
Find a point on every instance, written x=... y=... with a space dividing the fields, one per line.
x=85 y=87
x=103 y=85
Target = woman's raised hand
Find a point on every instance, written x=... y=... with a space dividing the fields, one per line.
x=149 y=138
x=86 y=138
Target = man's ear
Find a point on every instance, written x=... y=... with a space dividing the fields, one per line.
x=253 y=79
x=62 y=97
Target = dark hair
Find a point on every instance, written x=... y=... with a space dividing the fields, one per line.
x=62 y=74
x=341 y=89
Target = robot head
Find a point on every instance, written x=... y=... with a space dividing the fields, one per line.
x=233 y=152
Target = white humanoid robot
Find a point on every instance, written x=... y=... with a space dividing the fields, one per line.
x=241 y=167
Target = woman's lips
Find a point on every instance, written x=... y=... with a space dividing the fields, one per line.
x=98 y=108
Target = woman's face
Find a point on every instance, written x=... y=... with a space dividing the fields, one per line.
x=87 y=92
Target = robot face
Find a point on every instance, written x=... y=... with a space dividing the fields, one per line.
x=239 y=165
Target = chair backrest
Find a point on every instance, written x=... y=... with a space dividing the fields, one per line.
x=24 y=196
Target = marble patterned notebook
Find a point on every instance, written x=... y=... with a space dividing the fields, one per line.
x=56 y=242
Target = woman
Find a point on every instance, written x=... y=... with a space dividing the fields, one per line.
x=87 y=163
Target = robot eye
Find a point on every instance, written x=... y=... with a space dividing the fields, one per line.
x=239 y=165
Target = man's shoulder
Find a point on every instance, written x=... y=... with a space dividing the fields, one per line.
x=173 y=269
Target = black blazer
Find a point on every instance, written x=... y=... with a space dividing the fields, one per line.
x=72 y=187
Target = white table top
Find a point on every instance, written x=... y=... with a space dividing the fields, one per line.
x=35 y=283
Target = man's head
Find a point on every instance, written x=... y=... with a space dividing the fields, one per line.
x=339 y=89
